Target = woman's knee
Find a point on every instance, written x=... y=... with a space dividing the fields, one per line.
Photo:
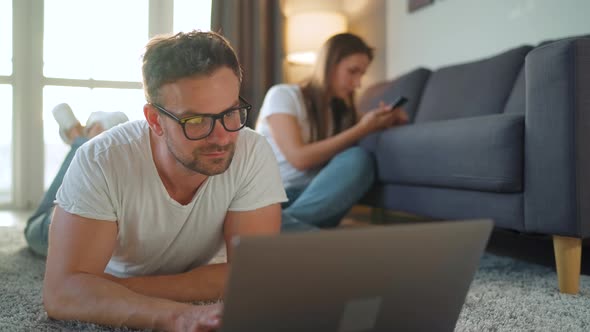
x=358 y=161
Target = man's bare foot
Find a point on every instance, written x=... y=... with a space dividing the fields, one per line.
x=69 y=127
x=76 y=131
x=94 y=130
x=105 y=121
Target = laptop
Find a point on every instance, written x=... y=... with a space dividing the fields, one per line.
x=411 y=277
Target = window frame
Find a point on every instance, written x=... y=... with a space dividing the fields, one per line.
x=9 y=80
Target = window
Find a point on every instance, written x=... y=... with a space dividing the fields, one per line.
x=192 y=15
x=102 y=41
x=91 y=59
x=93 y=52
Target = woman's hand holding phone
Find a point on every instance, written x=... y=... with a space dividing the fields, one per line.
x=384 y=116
x=398 y=102
x=401 y=117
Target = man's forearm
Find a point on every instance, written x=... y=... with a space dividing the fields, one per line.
x=90 y=298
x=203 y=283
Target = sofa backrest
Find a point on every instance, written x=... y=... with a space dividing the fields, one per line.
x=549 y=41
x=471 y=89
x=517 y=102
x=410 y=85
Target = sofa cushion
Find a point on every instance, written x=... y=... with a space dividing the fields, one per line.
x=471 y=89
x=480 y=153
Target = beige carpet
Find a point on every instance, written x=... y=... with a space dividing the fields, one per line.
x=507 y=294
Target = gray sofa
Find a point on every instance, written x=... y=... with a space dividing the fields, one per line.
x=504 y=138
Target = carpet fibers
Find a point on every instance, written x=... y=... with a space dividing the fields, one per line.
x=507 y=294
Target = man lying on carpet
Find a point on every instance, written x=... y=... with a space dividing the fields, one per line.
x=144 y=206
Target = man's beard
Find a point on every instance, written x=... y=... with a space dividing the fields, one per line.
x=206 y=166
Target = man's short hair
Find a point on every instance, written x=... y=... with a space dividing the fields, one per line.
x=168 y=58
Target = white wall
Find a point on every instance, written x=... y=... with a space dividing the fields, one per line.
x=367 y=20
x=454 y=31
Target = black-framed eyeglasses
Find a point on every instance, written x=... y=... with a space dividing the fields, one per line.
x=199 y=126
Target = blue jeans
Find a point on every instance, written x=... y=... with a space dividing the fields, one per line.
x=332 y=192
x=37 y=229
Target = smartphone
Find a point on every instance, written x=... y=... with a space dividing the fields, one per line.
x=400 y=101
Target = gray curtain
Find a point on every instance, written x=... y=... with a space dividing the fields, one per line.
x=255 y=30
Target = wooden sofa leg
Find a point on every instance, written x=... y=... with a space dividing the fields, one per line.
x=568 y=258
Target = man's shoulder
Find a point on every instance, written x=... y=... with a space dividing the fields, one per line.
x=251 y=145
x=250 y=138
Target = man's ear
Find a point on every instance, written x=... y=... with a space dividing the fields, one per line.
x=153 y=118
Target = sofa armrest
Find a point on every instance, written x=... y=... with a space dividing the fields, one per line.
x=557 y=138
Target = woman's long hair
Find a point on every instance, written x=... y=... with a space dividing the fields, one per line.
x=316 y=90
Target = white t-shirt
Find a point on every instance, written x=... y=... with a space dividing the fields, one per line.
x=287 y=99
x=113 y=178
